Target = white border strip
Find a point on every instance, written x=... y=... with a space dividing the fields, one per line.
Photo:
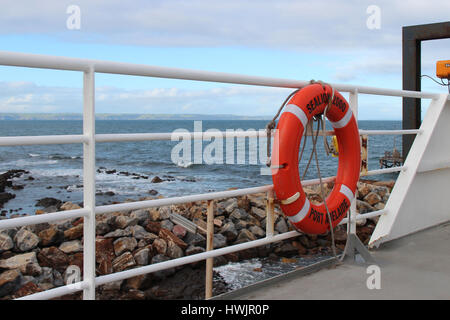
x=344 y=121
x=301 y=214
x=346 y=191
x=298 y=112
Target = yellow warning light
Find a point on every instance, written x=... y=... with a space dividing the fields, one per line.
x=443 y=69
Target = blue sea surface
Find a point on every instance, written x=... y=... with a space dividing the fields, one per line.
x=57 y=169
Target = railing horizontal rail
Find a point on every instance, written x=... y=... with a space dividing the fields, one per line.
x=62 y=215
x=127 y=137
x=76 y=64
x=179 y=200
x=42 y=218
x=366 y=216
x=56 y=292
x=41 y=140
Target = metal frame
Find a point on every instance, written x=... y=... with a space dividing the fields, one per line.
x=411 y=62
x=420 y=199
x=89 y=139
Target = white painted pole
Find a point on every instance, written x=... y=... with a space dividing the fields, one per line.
x=351 y=227
x=209 y=247
x=89 y=184
x=270 y=213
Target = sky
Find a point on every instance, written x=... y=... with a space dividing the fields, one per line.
x=348 y=42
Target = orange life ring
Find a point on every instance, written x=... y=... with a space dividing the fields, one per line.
x=306 y=103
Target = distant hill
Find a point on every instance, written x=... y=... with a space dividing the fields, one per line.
x=126 y=116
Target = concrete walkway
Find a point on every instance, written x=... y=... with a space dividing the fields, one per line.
x=414 y=267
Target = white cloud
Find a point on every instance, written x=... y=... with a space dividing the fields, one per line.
x=286 y=24
x=241 y=100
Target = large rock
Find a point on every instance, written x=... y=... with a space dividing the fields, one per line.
x=195 y=239
x=71 y=246
x=119 y=233
x=364 y=207
x=74 y=232
x=46 y=276
x=159 y=246
x=102 y=227
x=19 y=261
x=9 y=282
x=179 y=231
x=229 y=231
x=174 y=251
x=28 y=288
x=48 y=202
x=6 y=243
x=139 y=233
x=219 y=241
x=194 y=250
x=281 y=226
x=258 y=213
x=169 y=236
x=164 y=212
x=26 y=240
x=124 y=244
x=141 y=215
x=104 y=254
x=51 y=236
x=142 y=256
x=124 y=221
x=372 y=198
x=257 y=231
x=167 y=224
x=69 y=206
x=239 y=214
x=363 y=190
x=230 y=205
x=245 y=235
x=123 y=262
x=33 y=269
x=153 y=227
x=257 y=201
x=54 y=258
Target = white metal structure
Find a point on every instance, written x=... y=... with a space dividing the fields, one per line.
x=89 y=139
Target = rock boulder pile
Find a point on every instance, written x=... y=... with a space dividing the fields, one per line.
x=36 y=258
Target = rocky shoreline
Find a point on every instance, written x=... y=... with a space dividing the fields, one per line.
x=37 y=257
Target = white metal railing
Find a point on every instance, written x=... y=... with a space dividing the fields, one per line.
x=89 y=139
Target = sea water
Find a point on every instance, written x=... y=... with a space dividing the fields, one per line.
x=57 y=169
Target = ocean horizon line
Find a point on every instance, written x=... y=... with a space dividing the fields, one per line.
x=140 y=116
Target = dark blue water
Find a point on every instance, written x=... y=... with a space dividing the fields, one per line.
x=57 y=169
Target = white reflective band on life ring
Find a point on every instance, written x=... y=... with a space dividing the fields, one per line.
x=301 y=214
x=298 y=112
x=346 y=191
x=344 y=121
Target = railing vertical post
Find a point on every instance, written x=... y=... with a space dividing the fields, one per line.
x=351 y=227
x=89 y=183
x=209 y=247
x=270 y=213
